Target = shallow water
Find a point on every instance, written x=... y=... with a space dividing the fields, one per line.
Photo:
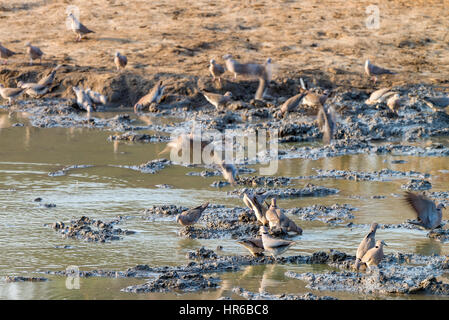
x=105 y=191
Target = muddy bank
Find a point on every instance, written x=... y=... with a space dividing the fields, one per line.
x=267 y=296
x=336 y=213
x=309 y=190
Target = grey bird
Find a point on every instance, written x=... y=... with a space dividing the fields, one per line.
x=48 y=80
x=394 y=103
x=254 y=246
x=217 y=100
x=327 y=122
x=428 y=214
x=367 y=243
x=191 y=216
x=380 y=96
x=33 y=89
x=277 y=220
x=373 y=71
x=154 y=96
x=96 y=97
x=10 y=93
x=255 y=203
x=78 y=28
x=437 y=103
x=314 y=100
x=34 y=53
x=120 y=61
x=272 y=245
x=5 y=53
x=292 y=103
x=82 y=99
x=229 y=172
x=374 y=255
x=216 y=70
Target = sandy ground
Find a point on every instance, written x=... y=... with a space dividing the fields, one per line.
x=325 y=42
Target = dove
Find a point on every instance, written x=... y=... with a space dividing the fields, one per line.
x=272 y=245
x=78 y=28
x=428 y=214
x=191 y=216
x=277 y=220
x=10 y=93
x=216 y=70
x=373 y=71
x=313 y=100
x=5 y=53
x=436 y=103
x=48 y=80
x=367 y=243
x=292 y=103
x=327 y=122
x=34 y=53
x=120 y=61
x=380 y=96
x=254 y=246
x=33 y=89
x=154 y=96
x=229 y=172
x=185 y=142
x=96 y=97
x=82 y=99
x=394 y=102
x=255 y=203
x=374 y=255
x=217 y=100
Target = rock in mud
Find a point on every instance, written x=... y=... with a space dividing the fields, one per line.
x=417 y=184
x=151 y=167
x=24 y=279
x=267 y=296
x=309 y=190
x=329 y=214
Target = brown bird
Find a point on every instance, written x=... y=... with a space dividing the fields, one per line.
x=373 y=71
x=255 y=203
x=428 y=214
x=185 y=142
x=314 y=100
x=33 y=89
x=217 y=100
x=5 y=54
x=292 y=103
x=277 y=220
x=78 y=28
x=34 y=53
x=327 y=122
x=229 y=172
x=274 y=246
x=120 y=61
x=216 y=70
x=374 y=255
x=155 y=95
x=367 y=243
x=254 y=245
x=394 y=103
x=191 y=216
x=10 y=93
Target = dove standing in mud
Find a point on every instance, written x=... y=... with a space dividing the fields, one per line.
x=255 y=203
x=313 y=100
x=380 y=96
x=216 y=70
x=394 y=103
x=154 y=96
x=374 y=255
x=254 y=246
x=217 y=100
x=229 y=172
x=120 y=61
x=277 y=220
x=10 y=93
x=33 y=89
x=78 y=28
x=185 y=142
x=5 y=54
x=428 y=214
x=96 y=97
x=48 y=80
x=82 y=99
x=34 y=53
x=437 y=103
x=373 y=71
x=272 y=245
x=292 y=103
x=191 y=216
x=327 y=122
x=367 y=243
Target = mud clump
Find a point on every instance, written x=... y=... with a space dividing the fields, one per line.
x=24 y=279
x=151 y=167
x=417 y=184
x=309 y=190
x=91 y=230
x=267 y=296
x=328 y=214
x=135 y=137
x=164 y=210
x=172 y=281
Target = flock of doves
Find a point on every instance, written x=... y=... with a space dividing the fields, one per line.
x=273 y=222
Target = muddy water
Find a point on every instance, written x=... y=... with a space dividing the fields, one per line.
x=105 y=191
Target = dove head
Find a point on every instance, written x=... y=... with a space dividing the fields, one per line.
x=212 y=61
x=117 y=53
x=380 y=243
x=269 y=60
x=228 y=94
x=374 y=227
x=273 y=202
